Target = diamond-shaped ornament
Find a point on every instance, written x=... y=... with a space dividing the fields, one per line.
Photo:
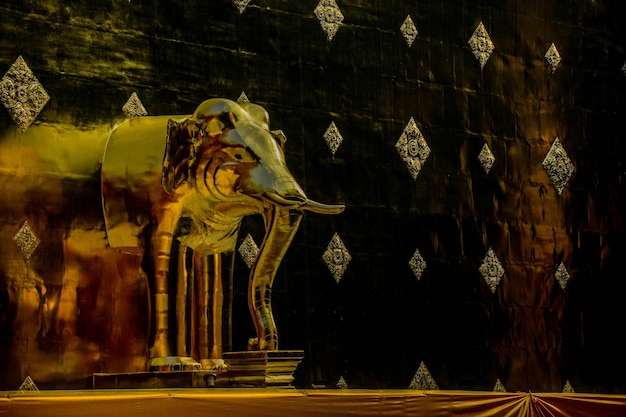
x=248 y=250
x=330 y=17
x=481 y=45
x=22 y=94
x=558 y=165
x=499 y=387
x=336 y=257
x=26 y=240
x=133 y=107
x=567 y=388
x=491 y=270
x=342 y=384
x=243 y=98
x=332 y=137
x=409 y=31
x=422 y=380
x=562 y=276
x=28 y=385
x=417 y=264
x=552 y=57
x=486 y=158
x=241 y=5
x=412 y=148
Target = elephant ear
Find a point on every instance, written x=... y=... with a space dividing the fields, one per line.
x=180 y=146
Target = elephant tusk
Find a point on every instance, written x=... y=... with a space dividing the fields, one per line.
x=296 y=202
x=320 y=208
x=290 y=201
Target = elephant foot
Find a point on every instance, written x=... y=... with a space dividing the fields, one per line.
x=255 y=344
x=215 y=365
x=174 y=363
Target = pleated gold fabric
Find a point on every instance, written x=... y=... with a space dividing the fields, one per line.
x=297 y=403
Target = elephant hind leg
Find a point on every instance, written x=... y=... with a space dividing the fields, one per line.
x=210 y=272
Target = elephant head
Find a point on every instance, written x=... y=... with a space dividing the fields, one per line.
x=220 y=164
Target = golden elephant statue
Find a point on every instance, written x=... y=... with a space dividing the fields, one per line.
x=174 y=191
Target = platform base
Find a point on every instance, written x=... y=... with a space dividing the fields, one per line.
x=246 y=369
x=262 y=369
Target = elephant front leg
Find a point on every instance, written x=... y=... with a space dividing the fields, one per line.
x=281 y=226
x=160 y=297
x=161 y=357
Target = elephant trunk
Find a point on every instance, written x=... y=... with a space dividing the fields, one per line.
x=281 y=224
x=282 y=219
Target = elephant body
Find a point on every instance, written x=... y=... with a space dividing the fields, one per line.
x=173 y=191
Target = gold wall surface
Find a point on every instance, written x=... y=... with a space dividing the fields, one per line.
x=477 y=145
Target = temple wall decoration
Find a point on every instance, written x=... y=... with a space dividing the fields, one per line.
x=478 y=149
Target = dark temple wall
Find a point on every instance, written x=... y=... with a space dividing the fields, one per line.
x=382 y=325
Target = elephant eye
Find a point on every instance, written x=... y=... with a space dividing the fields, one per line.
x=241 y=154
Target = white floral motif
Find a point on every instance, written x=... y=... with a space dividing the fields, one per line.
x=486 y=158
x=133 y=107
x=332 y=137
x=28 y=385
x=562 y=276
x=422 y=380
x=491 y=270
x=241 y=5
x=481 y=44
x=417 y=264
x=22 y=94
x=552 y=57
x=412 y=148
x=499 y=387
x=330 y=17
x=26 y=240
x=558 y=165
x=248 y=250
x=243 y=98
x=336 y=257
x=409 y=31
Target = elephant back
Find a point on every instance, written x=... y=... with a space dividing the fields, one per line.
x=131 y=179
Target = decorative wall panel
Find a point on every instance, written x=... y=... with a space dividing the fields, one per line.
x=515 y=195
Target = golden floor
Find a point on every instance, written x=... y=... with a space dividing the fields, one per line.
x=218 y=402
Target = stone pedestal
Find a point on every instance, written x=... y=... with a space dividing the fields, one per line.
x=262 y=369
